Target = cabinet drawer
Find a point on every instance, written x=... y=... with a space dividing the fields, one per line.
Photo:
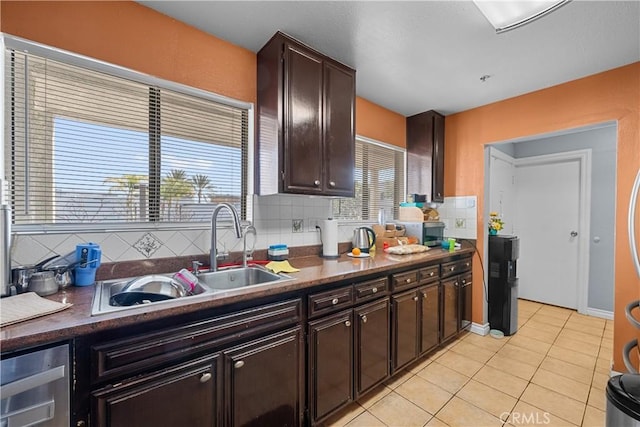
x=456 y=267
x=329 y=301
x=143 y=352
x=429 y=273
x=371 y=289
x=405 y=280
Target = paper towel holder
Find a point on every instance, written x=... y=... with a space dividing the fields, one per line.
x=329 y=238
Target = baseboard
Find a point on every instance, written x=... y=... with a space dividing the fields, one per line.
x=479 y=329
x=596 y=312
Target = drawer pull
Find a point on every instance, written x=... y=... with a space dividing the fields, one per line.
x=364 y=318
x=374 y=290
x=415 y=298
x=408 y=280
x=205 y=377
x=424 y=295
x=238 y=364
x=452 y=268
x=316 y=183
x=347 y=323
x=431 y=274
x=332 y=184
x=335 y=301
x=464 y=281
x=467 y=264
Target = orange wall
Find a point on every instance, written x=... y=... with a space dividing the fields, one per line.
x=612 y=95
x=379 y=123
x=134 y=36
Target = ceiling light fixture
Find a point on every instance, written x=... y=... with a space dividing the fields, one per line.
x=506 y=15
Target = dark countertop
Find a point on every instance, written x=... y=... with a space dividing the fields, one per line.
x=314 y=271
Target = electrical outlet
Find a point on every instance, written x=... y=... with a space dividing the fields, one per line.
x=461 y=223
x=312 y=225
x=297 y=225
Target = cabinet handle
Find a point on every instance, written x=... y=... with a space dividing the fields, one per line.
x=452 y=268
x=316 y=183
x=374 y=290
x=424 y=295
x=408 y=280
x=467 y=264
x=332 y=184
x=238 y=364
x=431 y=274
x=415 y=298
x=205 y=377
x=464 y=281
x=335 y=301
x=364 y=318
x=347 y=323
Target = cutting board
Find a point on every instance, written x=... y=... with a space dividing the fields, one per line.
x=30 y=305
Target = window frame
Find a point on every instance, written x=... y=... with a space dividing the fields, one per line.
x=402 y=197
x=48 y=52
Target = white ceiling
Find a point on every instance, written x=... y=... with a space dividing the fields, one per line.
x=414 y=56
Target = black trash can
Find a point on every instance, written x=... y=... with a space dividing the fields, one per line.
x=623 y=401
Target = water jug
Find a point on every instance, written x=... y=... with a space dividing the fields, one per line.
x=88 y=255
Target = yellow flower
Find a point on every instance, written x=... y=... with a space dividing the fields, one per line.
x=495 y=222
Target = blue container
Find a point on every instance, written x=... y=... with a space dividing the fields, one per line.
x=88 y=254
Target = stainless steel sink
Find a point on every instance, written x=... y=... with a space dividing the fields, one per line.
x=209 y=284
x=223 y=280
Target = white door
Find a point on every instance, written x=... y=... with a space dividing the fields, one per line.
x=547 y=211
x=502 y=187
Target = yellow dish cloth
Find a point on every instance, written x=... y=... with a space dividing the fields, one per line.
x=281 y=267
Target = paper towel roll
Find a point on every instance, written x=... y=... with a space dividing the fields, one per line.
x=329 y=236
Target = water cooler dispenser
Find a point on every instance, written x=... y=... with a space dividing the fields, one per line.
x=503 y=283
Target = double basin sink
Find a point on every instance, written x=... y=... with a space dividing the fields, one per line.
x=209 y=283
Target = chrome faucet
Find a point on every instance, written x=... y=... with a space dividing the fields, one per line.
x=248 y=254
x=213 y=254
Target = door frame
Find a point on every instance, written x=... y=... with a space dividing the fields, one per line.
x=584 y=215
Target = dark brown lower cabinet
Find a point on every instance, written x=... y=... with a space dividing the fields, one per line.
x=330 y=363
x=184 y=395
x=405 y=328
x=449 y=308
x=372 y=345
x=429 y=311
x=465 y=295
x=264 y=381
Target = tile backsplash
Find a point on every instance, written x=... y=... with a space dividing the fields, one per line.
x=460 y=216
x=284 y=219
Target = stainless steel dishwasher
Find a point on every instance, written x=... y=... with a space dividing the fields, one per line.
x=34 y=388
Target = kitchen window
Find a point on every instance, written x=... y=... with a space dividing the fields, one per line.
x=85 y=147
x=379 y=182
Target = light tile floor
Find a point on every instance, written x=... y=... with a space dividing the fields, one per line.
x=552 y=372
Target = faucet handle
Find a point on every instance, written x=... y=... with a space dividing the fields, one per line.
x=194 y=266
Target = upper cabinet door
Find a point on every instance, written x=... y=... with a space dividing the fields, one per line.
x=339 y=136
x=419 y=153
x=438 y=158
x=425 y=155
x=303 y=121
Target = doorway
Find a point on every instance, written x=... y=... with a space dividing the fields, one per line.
x=597 y=241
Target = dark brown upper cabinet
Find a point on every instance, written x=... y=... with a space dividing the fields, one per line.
x=425 y=155
x=306 y=121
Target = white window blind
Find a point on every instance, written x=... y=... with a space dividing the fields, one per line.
x=83 y=146
x=379 y=183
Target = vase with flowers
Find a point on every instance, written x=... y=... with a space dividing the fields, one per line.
x=495 y=223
